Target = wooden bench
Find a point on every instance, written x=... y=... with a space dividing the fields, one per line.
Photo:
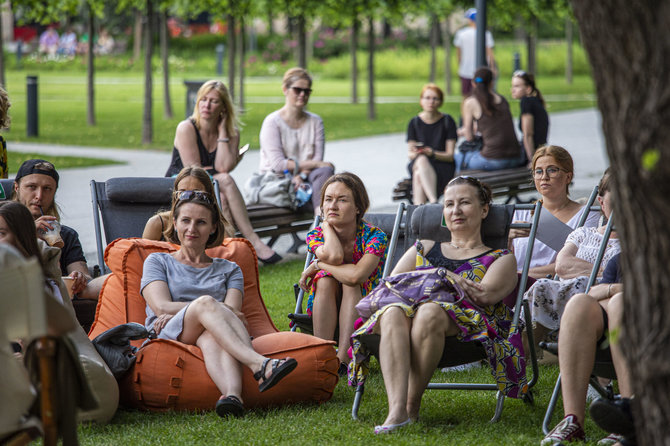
x=504 y=183
x=271 y=221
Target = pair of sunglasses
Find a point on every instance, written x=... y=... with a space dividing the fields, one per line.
x=190 y=195
x=298 y=90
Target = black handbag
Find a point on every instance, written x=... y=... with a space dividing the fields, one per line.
x=114 y=346
x=471 y=146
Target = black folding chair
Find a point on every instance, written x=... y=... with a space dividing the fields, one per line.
x=125 y=204
x=425 y=224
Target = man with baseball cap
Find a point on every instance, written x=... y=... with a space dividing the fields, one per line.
x=465 y=41
x=35 y=187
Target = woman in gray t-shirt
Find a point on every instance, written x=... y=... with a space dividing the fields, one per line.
x=197 y=300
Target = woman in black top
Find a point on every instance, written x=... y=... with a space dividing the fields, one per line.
x=210 y=139
x=534 y=121
x=431 y=137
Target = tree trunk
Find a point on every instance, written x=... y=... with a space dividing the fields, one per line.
x=568 y=43
x=137 y=35
x=629 y=56
x=147 y=118
x=372 y=115
x=231 y=55
x=434 y=41
x=270 y=16
x=90 y=69
x=531 y=42
x=167 y=102
x=302 y=42
x=242 y=51
x=447 y=57
x=355 y=26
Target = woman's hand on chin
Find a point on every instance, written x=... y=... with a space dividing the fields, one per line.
x=161 y=321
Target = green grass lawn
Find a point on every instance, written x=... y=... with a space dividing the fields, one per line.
x=447 y=417
x=119 y=107
x=15 y=159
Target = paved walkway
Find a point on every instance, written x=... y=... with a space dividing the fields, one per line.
x=379 y=160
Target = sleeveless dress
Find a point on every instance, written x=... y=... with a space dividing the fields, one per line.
x=206 y=157
x=488 y=325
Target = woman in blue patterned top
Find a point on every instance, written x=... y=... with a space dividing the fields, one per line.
x=350 y=255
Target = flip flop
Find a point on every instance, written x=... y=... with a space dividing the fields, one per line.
x=387 y=429
x=280 y=368
x=230 y=405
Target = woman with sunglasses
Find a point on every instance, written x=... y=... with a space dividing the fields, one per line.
x=195 y=299
x=190 y=178
x=553 y=171
x=292 y=138
x=534 y=121
x=431 y=137
x=210 y=139
x=413 y=336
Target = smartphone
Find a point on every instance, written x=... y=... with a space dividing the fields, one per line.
x=243 y=149
x=419 y=145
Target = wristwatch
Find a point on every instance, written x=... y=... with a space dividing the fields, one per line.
x=303 y=176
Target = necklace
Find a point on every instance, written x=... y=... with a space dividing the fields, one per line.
x=460 y=247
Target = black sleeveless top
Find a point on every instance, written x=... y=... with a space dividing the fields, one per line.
x=436 y=258
x=206 y=157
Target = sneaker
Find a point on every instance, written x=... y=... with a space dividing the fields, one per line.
x=567 y=430
x=611 y=439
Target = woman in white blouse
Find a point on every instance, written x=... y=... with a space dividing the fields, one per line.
x=293 y=139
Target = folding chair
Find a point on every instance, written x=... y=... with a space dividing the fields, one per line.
x=603 y=366
x=397 y=245
x=6 y=188
x=125 y=204
x=495 y=229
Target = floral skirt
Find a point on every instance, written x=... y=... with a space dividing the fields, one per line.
x=505 y=353
x=548 y=299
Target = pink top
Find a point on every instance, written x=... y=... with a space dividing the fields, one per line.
x=279 y=142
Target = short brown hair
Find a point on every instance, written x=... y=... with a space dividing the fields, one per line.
x=357 y=188
x=214 y=239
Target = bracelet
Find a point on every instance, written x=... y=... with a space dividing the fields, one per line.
x=223 y=140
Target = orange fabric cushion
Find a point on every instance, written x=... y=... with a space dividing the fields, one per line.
x=169 y=375
x=120 y=299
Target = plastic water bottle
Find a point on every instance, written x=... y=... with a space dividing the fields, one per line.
x=287 y=173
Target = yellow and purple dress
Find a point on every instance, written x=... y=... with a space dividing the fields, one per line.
x=488 y=325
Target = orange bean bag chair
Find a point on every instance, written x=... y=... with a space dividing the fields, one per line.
x=170 y=375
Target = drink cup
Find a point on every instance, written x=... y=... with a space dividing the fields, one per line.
x=52 y=236
x=69 y=283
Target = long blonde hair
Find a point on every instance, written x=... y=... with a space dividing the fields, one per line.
x=232 y=119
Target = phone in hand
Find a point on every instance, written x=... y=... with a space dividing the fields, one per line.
x=243 y=149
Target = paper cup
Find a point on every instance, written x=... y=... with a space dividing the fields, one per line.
x=69 y=282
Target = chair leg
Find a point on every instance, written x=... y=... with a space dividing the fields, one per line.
x=272 y=240
x=357 y=401
x=297 y=243
x=531 y=343
x=500 y=400
x=551 y=406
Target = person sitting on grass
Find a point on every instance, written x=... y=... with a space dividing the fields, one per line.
x=195 y=299
x=586 y=323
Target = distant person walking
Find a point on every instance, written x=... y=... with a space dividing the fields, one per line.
x=465 y=41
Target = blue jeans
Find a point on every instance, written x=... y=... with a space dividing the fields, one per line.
x=475 y=161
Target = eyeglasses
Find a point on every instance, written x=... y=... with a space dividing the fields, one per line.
x=551 y=171
x=189 y=195
x=298 y=90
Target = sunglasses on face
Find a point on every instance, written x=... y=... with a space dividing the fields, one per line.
x=189 y=195
x=551 y=171
x=298 y=90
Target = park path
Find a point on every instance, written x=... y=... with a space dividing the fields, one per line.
x=380 y=160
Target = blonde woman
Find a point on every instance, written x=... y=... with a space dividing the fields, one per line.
x=210 y=139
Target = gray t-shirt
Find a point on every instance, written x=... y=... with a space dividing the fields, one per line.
x=187 y=283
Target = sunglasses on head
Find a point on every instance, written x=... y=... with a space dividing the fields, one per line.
x=472 y=180
x=189 y=195
x=298 y=90
x=519 y=73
